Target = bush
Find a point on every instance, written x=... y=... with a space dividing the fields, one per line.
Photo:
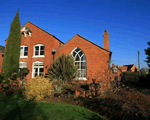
x=23 y=73
x=63 y=68
x=1 y=77
x=132 y=77
x=37 y=88
x=11 y=87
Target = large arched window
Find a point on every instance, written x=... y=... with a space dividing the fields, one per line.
x=80 y=60
x=38 y=68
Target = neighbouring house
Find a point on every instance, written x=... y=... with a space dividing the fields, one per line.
x=116 y=72
x=2 y=49
x=129 y=68
x=39 y=49
x=146 y=70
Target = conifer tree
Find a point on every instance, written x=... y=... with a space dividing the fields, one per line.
x=12 y=49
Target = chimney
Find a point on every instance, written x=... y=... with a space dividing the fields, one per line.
x=106 y=40
x=113 y=65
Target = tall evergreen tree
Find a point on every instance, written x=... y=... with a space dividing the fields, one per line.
x=147 y=52
x=12 y=48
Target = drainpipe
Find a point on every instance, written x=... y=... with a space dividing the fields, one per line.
x=53 y=53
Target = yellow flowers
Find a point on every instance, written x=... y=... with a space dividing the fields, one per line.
x=37 y=88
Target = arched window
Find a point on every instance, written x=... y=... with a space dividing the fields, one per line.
x=38 y=68
x=39 y=50
x=80 y=60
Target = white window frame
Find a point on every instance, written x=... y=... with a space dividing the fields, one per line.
x=22 y=65
x=115 y=70
x=39 y=45
x=37 y=67
x=77 y=53
x=23 y=51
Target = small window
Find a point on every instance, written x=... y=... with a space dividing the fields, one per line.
x=39 y=50
x=114 y=70
x=23 y=51
x=22 y=65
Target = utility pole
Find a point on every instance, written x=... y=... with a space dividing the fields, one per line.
x=139 y=61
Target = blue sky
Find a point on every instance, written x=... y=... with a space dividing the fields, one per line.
x=126 y=21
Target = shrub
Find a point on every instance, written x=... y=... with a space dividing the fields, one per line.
x=63 y=68
x=37 y=88
x=1 y=77
x=11 y=87
x=23 y=73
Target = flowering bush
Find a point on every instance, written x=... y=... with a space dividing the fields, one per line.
x=37 y=88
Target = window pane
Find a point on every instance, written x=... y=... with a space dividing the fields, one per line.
x=41 y=52
x=35 y=74
x=77 y=58
x=26 y=49
x=74 y=53
x=80 y=53
x=42 y=47
x=25 y=53
x=21 y=51
x=36 y=47
x=36 y=69
x=77 y=49
x=41 y=69
x=83 y=67
x=41 y=64
x=36 y=52
x=35 y=64
x=83 y=63
x=25 y=64
x=83 y=58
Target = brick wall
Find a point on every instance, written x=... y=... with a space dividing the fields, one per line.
x=96 y=57
x=38 y=36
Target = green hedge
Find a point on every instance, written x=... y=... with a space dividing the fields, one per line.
x=132 y=77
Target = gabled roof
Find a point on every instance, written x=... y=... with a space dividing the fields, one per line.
x=86 y=40
x=2 y=48
x=42 y=30
x=129 y=66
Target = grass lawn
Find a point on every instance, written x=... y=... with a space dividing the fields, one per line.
x=18 y=109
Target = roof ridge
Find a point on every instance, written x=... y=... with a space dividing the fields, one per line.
x=42 y=30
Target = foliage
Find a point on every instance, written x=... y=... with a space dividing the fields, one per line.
x=130 y=77
x=28 y=110
x=147 y=52
x=63 y=68
x=12 y=49
x=23 y=73
x=11 y=87
x=37 y=88
x=1 y=77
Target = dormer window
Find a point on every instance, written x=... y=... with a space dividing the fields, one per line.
x=25 y=31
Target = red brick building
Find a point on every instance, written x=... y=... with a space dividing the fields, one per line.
x=129 y=68
x=38 y=45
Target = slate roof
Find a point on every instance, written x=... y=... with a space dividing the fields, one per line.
x=2 y=48
x=129 y=66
